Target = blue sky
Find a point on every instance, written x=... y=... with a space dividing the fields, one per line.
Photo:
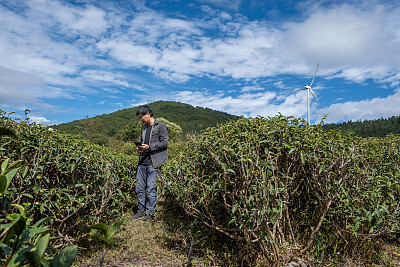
x=65 y=60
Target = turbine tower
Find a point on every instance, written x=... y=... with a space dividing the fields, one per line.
x=309 y=89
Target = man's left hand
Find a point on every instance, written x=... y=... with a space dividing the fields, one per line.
x=142 y=148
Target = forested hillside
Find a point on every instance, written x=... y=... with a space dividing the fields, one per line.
x=189 y=118
x=369 y=128
x=195 y=119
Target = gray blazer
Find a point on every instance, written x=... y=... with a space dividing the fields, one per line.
x=158 y=142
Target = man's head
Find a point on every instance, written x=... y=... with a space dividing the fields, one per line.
x=145 y=114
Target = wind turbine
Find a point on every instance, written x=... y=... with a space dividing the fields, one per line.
x=308 y=88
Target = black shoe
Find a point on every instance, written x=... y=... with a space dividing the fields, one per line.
x=138 y=215
x=147 y=217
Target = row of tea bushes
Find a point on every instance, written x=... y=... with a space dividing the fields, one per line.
x=279 y=188
x=76 y=181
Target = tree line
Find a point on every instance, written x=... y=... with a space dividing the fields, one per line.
x=368 y=128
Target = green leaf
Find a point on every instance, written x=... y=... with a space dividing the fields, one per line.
x=42 y=245
x=25 y=170
x=6 y=249
x=231 y=171
x=72 y=167
x=5 y=179
x=101 y=227
x=11 y=173
x=28 y=195
x=234 y=208
x=32 y=258
x=15 y=163
x=28 y=234
x=65 y=258
x=98 y=237
x=303 y=159
x=4 y=166
x=3 y=184
x=21 y=209
x=17 y=225
x=112 y=241
x=42 y=221
x=114 y=228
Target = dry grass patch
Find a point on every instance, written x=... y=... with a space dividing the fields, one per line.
x=158 y=242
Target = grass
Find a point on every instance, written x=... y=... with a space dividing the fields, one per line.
x=159 y=242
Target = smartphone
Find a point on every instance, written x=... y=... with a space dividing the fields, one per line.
x=138 y=143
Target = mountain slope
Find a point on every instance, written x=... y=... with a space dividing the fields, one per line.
x=189 y=118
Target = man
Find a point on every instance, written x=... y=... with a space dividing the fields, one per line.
x=153 y=151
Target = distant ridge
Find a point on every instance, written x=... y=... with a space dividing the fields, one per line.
x=368 y=128
x=189 y=118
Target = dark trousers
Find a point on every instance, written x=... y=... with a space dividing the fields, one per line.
x=146 y=190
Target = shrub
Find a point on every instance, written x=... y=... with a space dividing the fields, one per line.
x=21 y=243
x=280 y=187
x=74 y=180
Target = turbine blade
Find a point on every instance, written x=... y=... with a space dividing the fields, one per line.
x=315 y=97
x=314 y=74
x=297 y=90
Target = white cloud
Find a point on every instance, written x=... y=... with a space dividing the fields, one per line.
x=343 y=38
x=251 y=88
x=40 y=120
x=352 y=43
x=226 y=4
x=105 y=76
x=363 y=110
x=71 y=20
x=53 y=49
x=247 y=104
x=394 y=80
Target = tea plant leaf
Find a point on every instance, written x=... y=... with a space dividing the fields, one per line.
x=3 y=184
x=4 y=165
x=99 y=237
x=42 y=221
x=32 y=258
x=102 y=227
x=114 y=228
x=302 y=157
x=42 y=245
x=112 y=241
x=65 y=258
x=5 y=179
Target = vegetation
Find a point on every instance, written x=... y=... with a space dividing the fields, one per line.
x=20 y=242
x=75 y=181
x=251 y=192
x=189 y=118
x=280 y=189
x=131 y=132
x=369 y=128
x=160 y=242
x=106 y=235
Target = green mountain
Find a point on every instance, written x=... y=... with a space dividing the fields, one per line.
x=189 y=118
x=369 y=128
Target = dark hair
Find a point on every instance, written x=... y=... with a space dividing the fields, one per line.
x=143 y=110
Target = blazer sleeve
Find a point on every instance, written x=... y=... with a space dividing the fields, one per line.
x=159 y=138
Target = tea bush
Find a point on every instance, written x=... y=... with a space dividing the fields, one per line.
x=22 y=243
x=74 y=180
x=281 y=188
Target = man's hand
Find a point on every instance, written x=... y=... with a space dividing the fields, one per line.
x=142 y=148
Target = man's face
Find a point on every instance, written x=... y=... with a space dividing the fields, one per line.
x=145 y=119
